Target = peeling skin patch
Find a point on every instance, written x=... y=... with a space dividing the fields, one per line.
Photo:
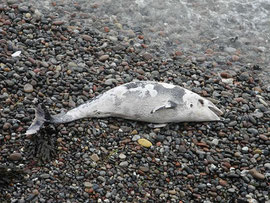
x=153 y=89
x=141 y=89
x=175 y=93
x=147 y=90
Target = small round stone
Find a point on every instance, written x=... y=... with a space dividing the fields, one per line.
x=123 y=164
x=15 y=156
x=104 y=58
x=95 y=157
x=122 y=156
x=144 y=142
x=28 y=88
x=245 y=149
x=88 y=184
x=256 y=174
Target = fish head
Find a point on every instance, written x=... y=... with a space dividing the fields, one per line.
x=201 y=109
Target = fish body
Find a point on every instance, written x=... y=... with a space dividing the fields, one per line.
x=147 y=101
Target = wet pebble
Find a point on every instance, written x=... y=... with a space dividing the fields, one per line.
x=123 y=164
x=136 y=137
x=253 y=131
x=95 y=157
x=28 y=88
x=144 y=142
x=122 y=156
x=87 y=184
x=104 y=58
x=267 y=165
x=245 y=149
x=256 y=174
x=6 y=126
x=15 y=156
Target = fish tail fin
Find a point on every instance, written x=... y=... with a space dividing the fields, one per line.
x=42 y=116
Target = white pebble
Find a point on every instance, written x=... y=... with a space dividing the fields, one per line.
x=122 y=156
x=17 y=53
x=245 y=149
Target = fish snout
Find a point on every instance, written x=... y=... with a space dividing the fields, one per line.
x=215 y=110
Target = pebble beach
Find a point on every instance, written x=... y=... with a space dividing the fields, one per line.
x=65 y=63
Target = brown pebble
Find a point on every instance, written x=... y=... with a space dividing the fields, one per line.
x=240 y=99
x=225 y=75
x=95 y=157
x=89 y=190
x=141 y=71
x=6 y=126
x=235 y=58
x=204 y=93
x=214 y=194
x=190 y=176
x=6 y=69
x=58 y=22
x=200 y=59
x=140 y=36
x=59 y=139
x=202 y=144
x=172 y=192
x=258 y=89
x=222 y=182
x=263 y=137
x=134 y=132
x=178 y=53
x=104 y=57
x=256 y=174
x=87 y=37
x=147 y=56
x=28 y=88
x=106 y=29
x=209 y=51
x=19 y=129
x=15 y=156
x=33 y=61
x=227 y=165
x=35 y=192
x=144 y=46
x=114 y=127
x=7 y=22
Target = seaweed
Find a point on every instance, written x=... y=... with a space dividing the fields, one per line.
x=42 y=146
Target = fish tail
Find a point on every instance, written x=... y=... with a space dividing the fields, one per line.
x=42 y=116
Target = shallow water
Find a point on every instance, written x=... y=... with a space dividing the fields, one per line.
x=228 y=27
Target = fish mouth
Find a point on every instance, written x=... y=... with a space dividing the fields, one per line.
x=215 y=110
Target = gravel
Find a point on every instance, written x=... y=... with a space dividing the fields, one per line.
x=64 y=64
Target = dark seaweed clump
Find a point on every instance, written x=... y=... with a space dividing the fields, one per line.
x=42 y=146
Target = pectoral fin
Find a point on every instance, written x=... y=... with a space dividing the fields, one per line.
x=168 y=105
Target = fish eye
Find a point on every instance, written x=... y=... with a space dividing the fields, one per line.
x=201 y=101
x=191 y=105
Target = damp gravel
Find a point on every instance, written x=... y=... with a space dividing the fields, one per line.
x=229 y=33
x=65 y=63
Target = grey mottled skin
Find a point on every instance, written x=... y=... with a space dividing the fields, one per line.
x=129 y=104
x=148 y=101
